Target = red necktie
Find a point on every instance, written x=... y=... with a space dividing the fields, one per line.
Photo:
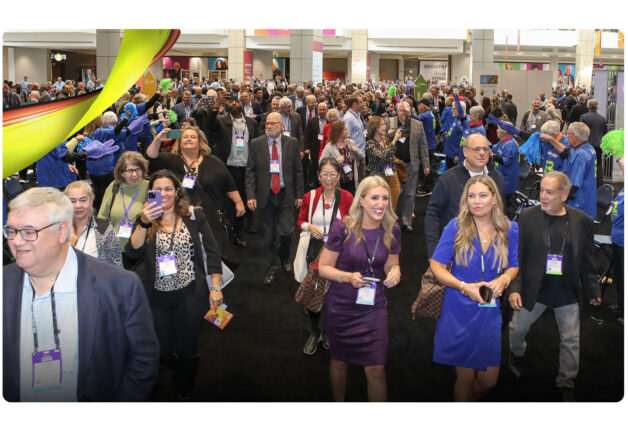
x=276 y=182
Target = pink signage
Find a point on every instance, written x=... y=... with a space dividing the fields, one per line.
x=248 y=64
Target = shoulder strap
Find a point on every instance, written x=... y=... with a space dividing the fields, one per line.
x=336 y=205
x=309 y=216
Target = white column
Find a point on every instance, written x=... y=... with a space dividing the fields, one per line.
x=482 y=54
x=374 y=66
x=584 y=57
x=553 y=66
x=107 y=46
x=236 y=42
x=359 y=49
x=400 y=74
x=306 y=56
x=11 y=65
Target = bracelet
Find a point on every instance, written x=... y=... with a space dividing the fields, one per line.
x=461 y=286
x=507 y=280
x=212 y=288
x=142 y=224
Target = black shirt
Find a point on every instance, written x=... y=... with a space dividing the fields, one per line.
x=403 y=149
x=554 y=291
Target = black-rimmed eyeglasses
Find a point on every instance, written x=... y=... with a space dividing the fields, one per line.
x=27 y=234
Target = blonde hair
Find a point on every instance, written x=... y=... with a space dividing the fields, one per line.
x=467 y=231
x=353 y=222
x=202 y=141
x=93 y=125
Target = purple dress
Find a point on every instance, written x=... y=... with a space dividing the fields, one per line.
x=358 y=334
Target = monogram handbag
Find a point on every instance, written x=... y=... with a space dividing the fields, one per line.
x=429 y=302
x=312 y=291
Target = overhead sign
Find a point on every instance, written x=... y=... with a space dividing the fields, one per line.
x=433 y=71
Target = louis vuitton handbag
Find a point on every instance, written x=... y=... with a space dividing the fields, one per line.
x=430 y=299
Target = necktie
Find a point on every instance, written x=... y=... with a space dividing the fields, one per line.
x=276 y=182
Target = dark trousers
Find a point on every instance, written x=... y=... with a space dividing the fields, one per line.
x=81 y=165
x=427 y=181
x=177 y=317
x=618 y=274
x=239 y=175
x=276 y=227
x=100 y=184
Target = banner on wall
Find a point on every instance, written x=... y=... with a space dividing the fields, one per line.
x=433 y=71
x=368 y=66
x=279 y=66
x=218 y=63
x=176 y=67
x=317 y=62
x=248 y=64
x=529 y=66
x=488 y=84
x=334 y=75
x=566 y=75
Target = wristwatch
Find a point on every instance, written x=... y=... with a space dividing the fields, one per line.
x=139 y=221
x=214 y=288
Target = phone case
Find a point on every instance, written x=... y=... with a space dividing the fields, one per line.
x=486 y=293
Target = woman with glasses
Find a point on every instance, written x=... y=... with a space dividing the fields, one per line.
x=332 y=116
x=90 y=235
x=206 y=181
x=381 y=156
x=125 y=196
x=343 y=149
x=322 y=203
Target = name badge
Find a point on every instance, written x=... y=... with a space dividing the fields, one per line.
x=286 y=133
x=491 y=304
x=346 y=168
x=388 y=171
x=554 y=264
x=240 y=143
x=366 y=295
x=274 y=167
x=320 y=137
x=124 y=231
x=46 y=370
x=188 y=181
x=365 y=133
x=167 y=265
x=325 y=238
x=402 y=140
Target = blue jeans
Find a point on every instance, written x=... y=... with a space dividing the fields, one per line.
x=568 y=320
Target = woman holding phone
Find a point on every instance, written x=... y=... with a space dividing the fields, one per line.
x=172 y=236
x=361 y=257
x=205 y=179
x=481 y=247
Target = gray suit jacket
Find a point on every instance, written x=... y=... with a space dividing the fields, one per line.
x=258 y=169
x=418 y=142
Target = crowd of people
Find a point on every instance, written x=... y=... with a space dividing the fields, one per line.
x=169 y=186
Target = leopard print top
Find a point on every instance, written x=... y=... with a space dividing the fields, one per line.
x=183 y=249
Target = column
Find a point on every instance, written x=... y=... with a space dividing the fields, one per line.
x=374 y=66
x=306 y=56
x=236 y=42
x=401 y=69
x=359 y=49
x=553 y=66
x=107 y=46
x=482 y=54
x=584 y=57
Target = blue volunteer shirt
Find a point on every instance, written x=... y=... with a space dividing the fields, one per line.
x=52 y=171
x=453 y=139
x=447 y=118
x=550 y=158
x=617 y=230
x=429 y=126
x=508 y=150
x=581 y=170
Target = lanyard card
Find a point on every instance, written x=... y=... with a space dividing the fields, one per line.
x=47 y=370
x=491 y=304
x=124 y=230
x=401 y=140
x=274 y=167
x=320 y=137
x=388 y=171
x=167 y=265
x=188 y=181
x=239 y=143
x=346 y=168
x=219 y=317
x=286 y=132
x=554 y=264
x=366 y=295
x=365 y=133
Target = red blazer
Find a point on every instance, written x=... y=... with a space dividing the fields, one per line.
x=326 y=129
x=346 y=199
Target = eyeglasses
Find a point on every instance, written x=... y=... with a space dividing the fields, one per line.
x=478 y=149
x=27 y=234
x=332 y=175
x=272 y=123
x=132 y=171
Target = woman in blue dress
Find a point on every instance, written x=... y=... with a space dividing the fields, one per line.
x=481 y=246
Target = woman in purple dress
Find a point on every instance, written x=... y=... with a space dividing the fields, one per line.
x=361 y=257
x=481 y=246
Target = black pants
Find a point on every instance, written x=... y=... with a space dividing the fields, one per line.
x=426 y=182
x=177 y=317
x=277 y=224
x=618 y=274
x=239 y=175
x=100 y=184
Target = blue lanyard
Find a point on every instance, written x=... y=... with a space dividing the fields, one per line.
x=370 y=259
x=126 y=210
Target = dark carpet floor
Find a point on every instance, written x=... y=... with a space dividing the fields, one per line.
x=259 y=358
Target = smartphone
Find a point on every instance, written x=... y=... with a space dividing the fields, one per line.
x=174 y=133
x=209 y=100
x=154 y=196
x=486 y=293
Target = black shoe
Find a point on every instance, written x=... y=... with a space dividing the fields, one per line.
x=515 y=364
x=269 y=279
x=239 y=242
x=287 y=266
x=324 y=341
x=566 y=393
x=423 y=193
x=311 y=345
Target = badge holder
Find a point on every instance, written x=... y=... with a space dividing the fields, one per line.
x=167 y=265
x=274 y=167
x=240 y=143
x=47 y=370
x=346 y=168
x=554 y=265
x=366 y=295
x=388 y=171
x=124 y=230
x=188 y=181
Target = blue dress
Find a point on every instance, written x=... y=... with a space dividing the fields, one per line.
x=468 y=335
x=358 y=334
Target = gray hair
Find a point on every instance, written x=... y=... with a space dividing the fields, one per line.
x=310 y=98
x=299 y=88
x=477 y=111
x=563 y=181
x=109 y=117
x=580 y=130
x=80 y=185
x=57 y=205
x=551 y=127
x=331 y=112
x=284 y=102
x=583 y=97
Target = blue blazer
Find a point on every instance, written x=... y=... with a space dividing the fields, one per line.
x=118 y=347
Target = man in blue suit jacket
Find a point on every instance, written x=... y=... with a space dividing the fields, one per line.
x=104 y=343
